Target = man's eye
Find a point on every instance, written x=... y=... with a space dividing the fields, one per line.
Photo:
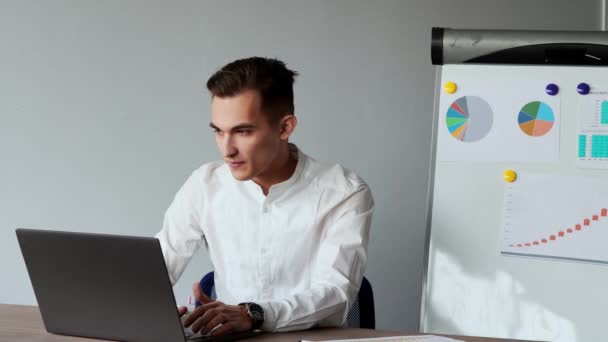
x=244 y=132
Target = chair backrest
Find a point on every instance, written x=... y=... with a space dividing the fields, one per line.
x=361 y=314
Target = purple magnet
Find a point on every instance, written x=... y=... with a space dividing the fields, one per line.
x=552 y=89
x=582 y=88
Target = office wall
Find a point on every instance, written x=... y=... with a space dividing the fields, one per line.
x=103 y=111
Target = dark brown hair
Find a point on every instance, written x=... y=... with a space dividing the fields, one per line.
x=270 y=77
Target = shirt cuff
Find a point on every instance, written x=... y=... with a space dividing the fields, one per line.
x=270 y=317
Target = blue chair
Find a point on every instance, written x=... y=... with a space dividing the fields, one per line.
x=361 y=314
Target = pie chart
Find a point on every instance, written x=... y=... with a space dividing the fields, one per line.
x=536 y=119
x=469 y=118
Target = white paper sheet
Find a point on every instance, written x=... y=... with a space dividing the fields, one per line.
x=420 y=338
x=510 y=120
x=592 y=131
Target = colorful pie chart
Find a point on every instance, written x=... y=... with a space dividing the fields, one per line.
x=536 y=119
x=469 y=118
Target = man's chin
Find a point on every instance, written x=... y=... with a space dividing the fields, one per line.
x=240 y=176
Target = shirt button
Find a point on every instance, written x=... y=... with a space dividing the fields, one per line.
x=265 y=210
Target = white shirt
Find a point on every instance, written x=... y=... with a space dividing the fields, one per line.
x=299 y=252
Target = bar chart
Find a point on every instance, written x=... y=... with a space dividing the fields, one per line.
x=561 y=217
x=592 y=149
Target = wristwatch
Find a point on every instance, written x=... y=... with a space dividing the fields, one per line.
x=256 y=313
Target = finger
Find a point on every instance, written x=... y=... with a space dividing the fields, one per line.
x=200 y=311
x=201 y=322
x=223 y=329
x=217 y=320
x=181 y=310
x=199 y=295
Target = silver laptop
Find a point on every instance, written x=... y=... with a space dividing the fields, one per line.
x=103 y=286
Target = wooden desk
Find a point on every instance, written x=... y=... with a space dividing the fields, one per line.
x=23 y=324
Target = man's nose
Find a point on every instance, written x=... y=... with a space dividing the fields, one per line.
x=228 y=148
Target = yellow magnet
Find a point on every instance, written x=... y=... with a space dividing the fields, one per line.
x=450 y=87
x=509 y=176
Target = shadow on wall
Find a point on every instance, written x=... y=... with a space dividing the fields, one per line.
x=490 y=307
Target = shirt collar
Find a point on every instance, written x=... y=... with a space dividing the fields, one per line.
x=278 y=188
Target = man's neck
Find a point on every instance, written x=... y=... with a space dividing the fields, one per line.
x=283 y=168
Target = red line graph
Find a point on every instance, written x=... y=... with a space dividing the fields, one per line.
x=585 y=224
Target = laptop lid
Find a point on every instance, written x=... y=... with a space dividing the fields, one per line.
x=101 y=286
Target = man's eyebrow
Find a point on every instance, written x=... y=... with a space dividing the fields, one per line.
x=237 y=127
x=243 y=126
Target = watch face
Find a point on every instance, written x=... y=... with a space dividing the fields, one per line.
x=256 y=312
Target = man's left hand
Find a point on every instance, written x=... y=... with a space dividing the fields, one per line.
x=213 y=313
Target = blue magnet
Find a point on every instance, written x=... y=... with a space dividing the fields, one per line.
x=552 y=89
x=582 y=88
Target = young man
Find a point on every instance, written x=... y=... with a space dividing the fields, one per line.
x=287 y=235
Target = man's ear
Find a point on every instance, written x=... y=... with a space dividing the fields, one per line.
x=287 y=125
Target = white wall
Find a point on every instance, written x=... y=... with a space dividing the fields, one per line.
x=103 y=111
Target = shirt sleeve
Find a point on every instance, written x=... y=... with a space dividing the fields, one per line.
x=337 y=272
x=181 y=233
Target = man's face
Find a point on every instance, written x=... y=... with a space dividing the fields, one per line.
x=246 y=140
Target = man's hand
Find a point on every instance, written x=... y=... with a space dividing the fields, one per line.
x=230 y=318
x=182 y=310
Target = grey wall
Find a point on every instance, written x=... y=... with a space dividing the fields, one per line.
x=103 y=112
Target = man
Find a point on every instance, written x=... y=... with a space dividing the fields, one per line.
x=287 y=235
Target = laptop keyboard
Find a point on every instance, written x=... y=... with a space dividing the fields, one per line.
x=191 y=336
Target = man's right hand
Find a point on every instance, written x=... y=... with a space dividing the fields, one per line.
x=215 y=317
x=182 y=310
x=199 y=295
